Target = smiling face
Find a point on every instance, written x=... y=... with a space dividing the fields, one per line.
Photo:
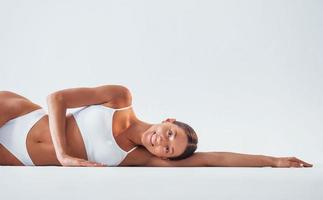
x=165 y=140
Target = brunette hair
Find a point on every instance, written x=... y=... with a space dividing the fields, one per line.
x=192 y=141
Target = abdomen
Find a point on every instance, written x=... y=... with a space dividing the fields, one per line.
x=40 y=146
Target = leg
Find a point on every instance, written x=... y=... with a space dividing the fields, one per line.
x=13 y=105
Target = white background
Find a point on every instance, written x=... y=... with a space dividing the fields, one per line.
x=246 y=75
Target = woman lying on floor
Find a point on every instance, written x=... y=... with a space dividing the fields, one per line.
x=105 y=132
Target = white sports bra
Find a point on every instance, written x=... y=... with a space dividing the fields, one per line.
x=95 y=124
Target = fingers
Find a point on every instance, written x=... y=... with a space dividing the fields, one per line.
x=295 y=164
x=302 y=163
x=92 y=164
x=76 y=162
x=86 y=163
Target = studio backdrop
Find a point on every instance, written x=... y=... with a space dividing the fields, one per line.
x=246 y=75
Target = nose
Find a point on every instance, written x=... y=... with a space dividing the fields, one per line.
x=161 y=140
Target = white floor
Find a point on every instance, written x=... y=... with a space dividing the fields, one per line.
x=198 y=183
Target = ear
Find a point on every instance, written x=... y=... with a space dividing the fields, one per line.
x=169 y=120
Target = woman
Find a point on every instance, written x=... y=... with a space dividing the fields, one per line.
x=105 y=132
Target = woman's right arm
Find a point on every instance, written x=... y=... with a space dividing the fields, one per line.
x=232 y=159
x=227 y=159
x=59 y=101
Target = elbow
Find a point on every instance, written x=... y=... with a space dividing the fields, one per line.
x=124 y=94
x=54 y=98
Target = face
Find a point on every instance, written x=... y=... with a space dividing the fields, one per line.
x=165 y=139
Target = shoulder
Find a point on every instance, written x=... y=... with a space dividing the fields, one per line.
x=122 y=99
x=142 y=157
x=138 y=157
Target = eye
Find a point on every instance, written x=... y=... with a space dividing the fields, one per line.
x=170 y=133
x=167 y=149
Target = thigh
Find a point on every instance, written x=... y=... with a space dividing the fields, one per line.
x=13 y=105
x=7 y=158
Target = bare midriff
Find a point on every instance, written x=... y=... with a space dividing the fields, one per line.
x=40 y=146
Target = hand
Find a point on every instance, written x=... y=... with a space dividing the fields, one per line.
x=290 y=162
x=70 y=161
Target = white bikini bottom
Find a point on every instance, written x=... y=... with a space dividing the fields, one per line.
x=13 y=134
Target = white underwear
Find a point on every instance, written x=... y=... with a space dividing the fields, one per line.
x=13 y=134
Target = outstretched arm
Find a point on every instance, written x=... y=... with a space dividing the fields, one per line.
x=229 y=159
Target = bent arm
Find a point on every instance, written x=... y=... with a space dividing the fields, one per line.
x=59 y=101
x=57 y=119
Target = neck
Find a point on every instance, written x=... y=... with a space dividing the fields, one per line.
x=137 y=130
